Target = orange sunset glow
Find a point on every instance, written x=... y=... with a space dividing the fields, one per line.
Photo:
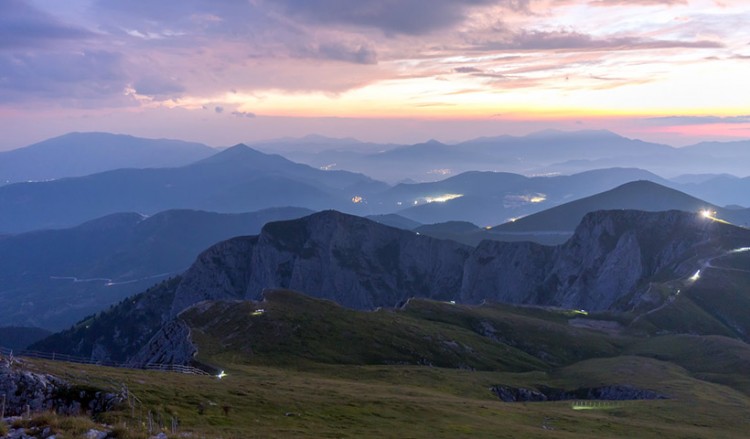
x=223 y=72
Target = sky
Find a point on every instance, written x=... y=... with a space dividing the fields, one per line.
x=228 y=71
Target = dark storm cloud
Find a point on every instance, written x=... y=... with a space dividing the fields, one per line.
x=23 y=26
x=391 y=16
x=65 y=77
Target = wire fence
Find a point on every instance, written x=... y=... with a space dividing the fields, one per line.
x=179 y=368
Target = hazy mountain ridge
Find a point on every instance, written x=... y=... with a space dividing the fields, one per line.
x=79 y=154
x=549 y=151
x=238 y=179
x=242 y=179
x=484 y=197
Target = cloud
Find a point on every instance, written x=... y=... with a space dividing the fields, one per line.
x=158 y=87
x=361 y=54
x=23 y=26
x=192 y=52
x=636 y=2
x=568 y=40
x=243 y=114
x=467 y=70
x=414 y=17
x=62 y=77
x=219 y=109
x=698 y=120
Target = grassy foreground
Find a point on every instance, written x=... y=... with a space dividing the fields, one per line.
x=313 y=400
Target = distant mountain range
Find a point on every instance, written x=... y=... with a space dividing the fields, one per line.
x=556 y=224
x=238 y=179
x=79 y=154
x=545 y=152
x=608 y=265
x=641 y=195
x=242 y=179
x=484 y=197
x=723 y=190
x=54 y=278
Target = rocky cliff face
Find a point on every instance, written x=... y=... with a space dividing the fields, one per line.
x=360 y=264
x=172 y=344
x=353 y=261
x=607 y=265
x=25 y=390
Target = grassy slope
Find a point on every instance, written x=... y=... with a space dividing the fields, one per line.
x=418 y=401
x=296 y=327
x=715 y=304
x=308 y=368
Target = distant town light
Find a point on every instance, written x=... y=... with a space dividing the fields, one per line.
x=442 y=198
x=538 y=199
x=443 y=171
x=221 y=375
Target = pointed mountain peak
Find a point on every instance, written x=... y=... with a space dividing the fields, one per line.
x=241 y=153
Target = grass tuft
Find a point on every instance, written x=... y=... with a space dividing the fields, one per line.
x=67 y=426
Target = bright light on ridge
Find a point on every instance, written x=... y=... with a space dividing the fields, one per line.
x=696 y=276
x=443 y=198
